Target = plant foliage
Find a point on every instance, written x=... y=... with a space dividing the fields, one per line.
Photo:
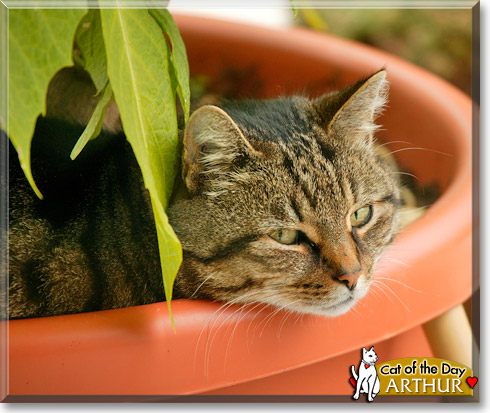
x=135 y=56
x=40 y=43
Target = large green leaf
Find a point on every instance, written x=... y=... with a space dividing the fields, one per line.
x=90 y=43
x=40 y=43
x=178 y=56
x=138 y=67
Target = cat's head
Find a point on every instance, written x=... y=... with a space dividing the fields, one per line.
x=369 y=356
x=286 y=201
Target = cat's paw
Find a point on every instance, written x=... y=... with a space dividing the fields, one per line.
x=370 y=398
x=355 y=397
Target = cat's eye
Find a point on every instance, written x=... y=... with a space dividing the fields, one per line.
x=285 y=236
x=361 y=216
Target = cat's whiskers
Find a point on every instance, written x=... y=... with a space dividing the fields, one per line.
x=273 y=314
x=206 y=325
x=401 y=283
x=288 y=314
x=255 y=303
x=416 y=148
x=200 y=285
x=240 y=318
x=267 y=305
x=356 y=312
x=209 y=344
x=390 y=142
x=223 y=308
x=381 y=285
x=269 y=317
x=374 y=291
x=237 y=320
x=300 y=316
x=406 y=173
x=381 y=290
x=397 y=261
x=383 y=267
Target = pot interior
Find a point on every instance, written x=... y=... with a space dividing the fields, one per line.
x=263 y=64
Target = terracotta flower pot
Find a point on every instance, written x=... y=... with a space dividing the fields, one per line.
x=134 y=351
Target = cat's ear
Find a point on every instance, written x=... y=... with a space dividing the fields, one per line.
x=372 y=348
x=350 y=113
x=212 y=144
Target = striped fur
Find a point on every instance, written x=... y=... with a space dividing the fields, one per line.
x=249 y=168
x=287 y=163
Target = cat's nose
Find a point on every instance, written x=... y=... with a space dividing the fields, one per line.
x=350 y=279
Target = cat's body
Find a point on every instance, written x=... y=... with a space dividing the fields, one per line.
x=282 y=202
x=91 y=243
x=367 y=381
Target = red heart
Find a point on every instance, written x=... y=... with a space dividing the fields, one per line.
x=471 y=381
x=353 y=381
x=366 y=365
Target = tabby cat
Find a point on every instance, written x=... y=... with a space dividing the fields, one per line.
x=282 y=201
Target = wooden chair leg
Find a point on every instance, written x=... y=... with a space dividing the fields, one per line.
x=450 y=336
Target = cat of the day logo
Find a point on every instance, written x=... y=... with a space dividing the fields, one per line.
x=410 y=376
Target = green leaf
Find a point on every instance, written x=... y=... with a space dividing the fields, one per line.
x=90 y=42
x=90 y=54
x=40 y=43
x=95 y=123
x=139 y=72
x=178 y=56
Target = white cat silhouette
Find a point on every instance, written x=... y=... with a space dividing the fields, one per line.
x=367 y=381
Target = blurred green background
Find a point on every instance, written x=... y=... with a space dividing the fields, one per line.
x=436 y=39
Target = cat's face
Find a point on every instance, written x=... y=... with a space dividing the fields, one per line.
x=370 y=355
x=286 y=202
